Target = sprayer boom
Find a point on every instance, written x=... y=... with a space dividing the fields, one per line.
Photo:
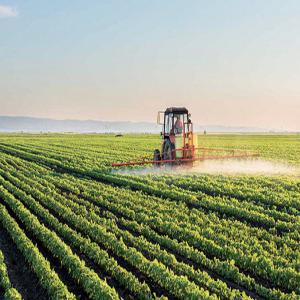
x=203 y=154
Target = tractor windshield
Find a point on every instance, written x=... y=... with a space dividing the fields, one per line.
x=175 y=124
x=178 y=123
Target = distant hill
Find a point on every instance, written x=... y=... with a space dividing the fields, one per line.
x=29 y=124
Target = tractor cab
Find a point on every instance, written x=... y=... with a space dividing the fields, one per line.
x=177 y=135
x=174 y=120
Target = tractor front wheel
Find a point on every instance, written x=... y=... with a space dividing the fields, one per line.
x=169 y=150
x=156 y=157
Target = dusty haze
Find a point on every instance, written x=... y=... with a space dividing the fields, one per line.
x=220 y=167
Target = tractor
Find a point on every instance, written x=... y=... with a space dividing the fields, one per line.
x=178 y=140
x=180 y=144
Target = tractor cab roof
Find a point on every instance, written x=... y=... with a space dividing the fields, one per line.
x=180 y=110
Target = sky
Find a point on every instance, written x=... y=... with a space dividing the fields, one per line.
x=233 y=63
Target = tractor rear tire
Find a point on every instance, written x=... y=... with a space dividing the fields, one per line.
x=169 y=150
x=156 y=157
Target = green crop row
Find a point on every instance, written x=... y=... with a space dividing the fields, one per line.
x=180 y=286
x=189 y=236
x=265 y=195
x=88 y=214
x=47 y=277
x=285 y=277
x=201 y=278
x=91 y=250
x=88 y=279
x=10 y=293
x=231 y=207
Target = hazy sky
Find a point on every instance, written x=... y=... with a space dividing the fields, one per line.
x=229 y=62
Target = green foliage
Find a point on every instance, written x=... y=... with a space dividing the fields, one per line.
x=188 y=237
x=10 y=293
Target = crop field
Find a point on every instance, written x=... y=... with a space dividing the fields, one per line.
x=73 y=228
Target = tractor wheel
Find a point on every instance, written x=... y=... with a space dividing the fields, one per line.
x=156 y=157
x=169 y=153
